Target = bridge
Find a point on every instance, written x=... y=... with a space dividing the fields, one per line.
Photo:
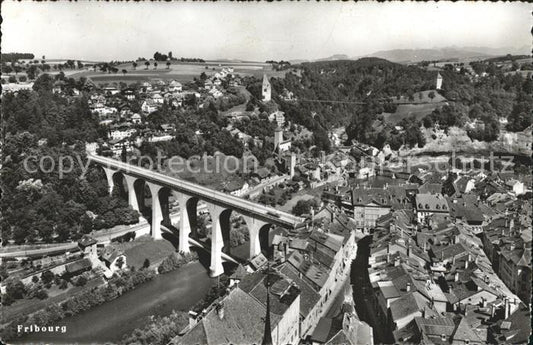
x=220 y=205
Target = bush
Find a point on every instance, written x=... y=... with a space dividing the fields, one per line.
x=47 y=277
x=160 y=331
x=41 y=294
x=175 y=260
x=80 y=281
x=146 y=263
x=35 y=279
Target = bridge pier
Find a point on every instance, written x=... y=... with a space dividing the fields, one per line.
x=109 y=175
x=132 y=196
x=217 y=242
x=254 y=227
x=157 y=214
x=185 y=224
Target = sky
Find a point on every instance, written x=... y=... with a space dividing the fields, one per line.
x=106 y=31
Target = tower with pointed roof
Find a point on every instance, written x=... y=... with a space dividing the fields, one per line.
x=439 y=81
x=266 y=90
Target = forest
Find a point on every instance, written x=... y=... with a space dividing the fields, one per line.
x=354 y=94
x=38 y=204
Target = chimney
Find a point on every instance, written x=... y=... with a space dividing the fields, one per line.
x=456 y=277
x=408 y=287
x=507 y=309
x=512 y=246
x=466 y=264
x=492 y=310
x=443 y=337
x=397 y=262
x=483 y=302
x=220 y=311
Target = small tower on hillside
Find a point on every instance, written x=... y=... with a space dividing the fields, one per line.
x=266 y=91
x=278 y=137
x=439 y=81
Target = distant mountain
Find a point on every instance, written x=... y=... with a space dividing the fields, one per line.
x=335 y=57
x=461 y=53
x=416 y=55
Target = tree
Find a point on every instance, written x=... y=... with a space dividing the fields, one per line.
x=81 y=281
x=15 y=289
x=304 y=206
x=12 y=79
x=147 y=63
x=431 y=95
x=47 y=277
x=155 y=64
x=41 y=294
x=146 y=263
x=124 y=72
x=134 y=64
x=168 y=64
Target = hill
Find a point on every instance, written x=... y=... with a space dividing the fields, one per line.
x=417 y=55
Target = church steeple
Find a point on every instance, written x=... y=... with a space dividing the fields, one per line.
x=267 y=335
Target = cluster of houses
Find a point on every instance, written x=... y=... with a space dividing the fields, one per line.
x=309 y=298
x=125 y=110
x=450 y=260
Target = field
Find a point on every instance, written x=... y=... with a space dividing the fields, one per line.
x=406 y=110
x=180 y=71
x=142 y=249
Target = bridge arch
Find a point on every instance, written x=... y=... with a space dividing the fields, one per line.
x=259 y=232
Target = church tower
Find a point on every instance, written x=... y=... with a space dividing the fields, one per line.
x=439 y=81
x=266 y=91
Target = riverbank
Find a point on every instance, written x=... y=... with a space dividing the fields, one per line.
x=109 y=322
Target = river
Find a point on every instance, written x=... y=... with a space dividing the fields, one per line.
x=109 y=322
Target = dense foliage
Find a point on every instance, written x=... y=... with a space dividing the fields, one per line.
x=355 y=93
x=160 y=331
x=176 y=260
x=43 y=132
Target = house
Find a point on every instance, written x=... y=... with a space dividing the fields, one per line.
x=517 y=187
x=111 y=91
x=430 y=204
x=238 y=317
x=114 y=259
x=129 y=93
x=87 y=244
x=121 y=133
x=278 y=117
x=368 y=204
x=175 y=86
x=236 y=187
x=78 y=267
x=136 y=118
x=157 y=98
x=149 y=106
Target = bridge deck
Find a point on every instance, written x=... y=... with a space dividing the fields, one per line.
x=246 y=207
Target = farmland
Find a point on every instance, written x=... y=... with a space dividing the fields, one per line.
x=180 y=71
